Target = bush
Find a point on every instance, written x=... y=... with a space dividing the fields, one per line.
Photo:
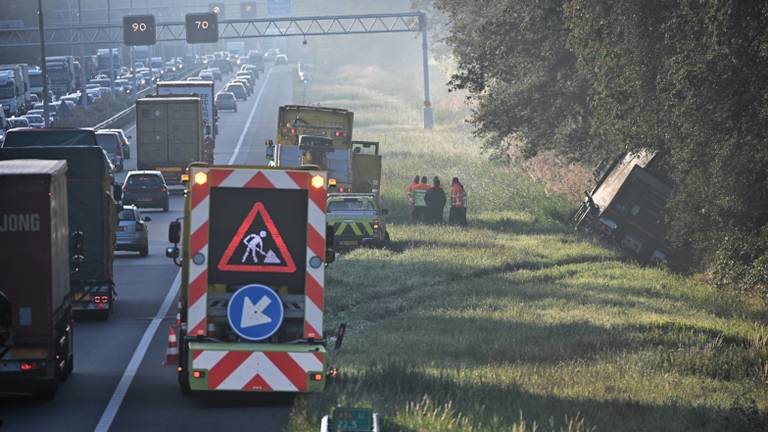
x=95 y=113
x=742 y=262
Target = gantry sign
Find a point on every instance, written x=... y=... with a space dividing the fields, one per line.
x=243 y=28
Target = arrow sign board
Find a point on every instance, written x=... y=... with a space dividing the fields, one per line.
x=255 y=312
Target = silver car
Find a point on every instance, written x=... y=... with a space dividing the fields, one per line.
x=132 y=233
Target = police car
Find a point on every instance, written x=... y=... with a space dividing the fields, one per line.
x=357 y=220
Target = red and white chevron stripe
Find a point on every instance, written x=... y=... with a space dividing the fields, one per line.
x=258 y=371
x=261 y=179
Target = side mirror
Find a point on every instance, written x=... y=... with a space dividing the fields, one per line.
x=172 y=252
x=130 y=137
x=174 y=232
x=147 y=219
x=117 y=192
x=207 y=130
x=269 y=143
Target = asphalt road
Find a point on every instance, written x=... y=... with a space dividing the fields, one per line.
x=102 y=391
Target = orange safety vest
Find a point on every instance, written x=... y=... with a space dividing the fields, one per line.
x=409 y=192
x=457 y=196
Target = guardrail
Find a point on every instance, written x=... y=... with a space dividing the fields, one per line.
x=124 y=115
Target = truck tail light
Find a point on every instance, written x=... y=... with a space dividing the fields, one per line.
x=339 y=134
x=165 y=189
x=101 y=299
x=29 y=366
x=376 y=224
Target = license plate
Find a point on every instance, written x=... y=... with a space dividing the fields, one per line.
x=144 y=199
x=348 y=243
x=10 y=367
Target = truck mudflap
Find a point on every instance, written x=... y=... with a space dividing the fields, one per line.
x=98 y=297
x=256 y=367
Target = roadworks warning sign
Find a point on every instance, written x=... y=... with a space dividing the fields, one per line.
x=257 y=246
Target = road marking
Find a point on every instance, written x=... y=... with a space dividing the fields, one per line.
x=108 y=416
x=130 y=128
x=250 y=117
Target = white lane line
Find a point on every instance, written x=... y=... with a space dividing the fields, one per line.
x=138 y=356
x=250 y=117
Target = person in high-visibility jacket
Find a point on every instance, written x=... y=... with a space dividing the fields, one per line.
x=458 y=212
x=419 y=204
x=409 y=191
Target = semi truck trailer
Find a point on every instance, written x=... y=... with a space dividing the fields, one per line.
x=169 y=135
x=91 y=196
x=36 y=345
x=205 y=90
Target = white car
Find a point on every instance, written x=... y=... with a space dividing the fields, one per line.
x=35 y=120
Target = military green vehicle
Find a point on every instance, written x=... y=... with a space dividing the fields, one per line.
x=357 y=220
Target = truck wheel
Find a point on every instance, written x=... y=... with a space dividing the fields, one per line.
x=144 y=251
x=46 y=390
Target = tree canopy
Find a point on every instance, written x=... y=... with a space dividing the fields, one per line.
x=593 y=78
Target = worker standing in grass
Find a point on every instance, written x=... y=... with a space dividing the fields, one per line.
x=409 y=192
x=458 y=212
x=435 y=199
x=419 y=204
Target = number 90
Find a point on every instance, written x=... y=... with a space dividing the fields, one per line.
x=139 y=27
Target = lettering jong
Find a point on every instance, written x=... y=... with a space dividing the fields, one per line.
x=19 y=222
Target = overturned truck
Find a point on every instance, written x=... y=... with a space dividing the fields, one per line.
x=628 y=206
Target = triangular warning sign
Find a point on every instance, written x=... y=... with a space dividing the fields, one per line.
x=255 y=247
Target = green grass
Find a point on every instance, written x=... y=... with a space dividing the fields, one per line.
x=516 y=323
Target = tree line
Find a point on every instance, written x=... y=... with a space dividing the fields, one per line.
x=590 y=79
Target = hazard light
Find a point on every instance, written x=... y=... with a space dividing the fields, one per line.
x=318 y=182
x=201 y=178
x=317 y=376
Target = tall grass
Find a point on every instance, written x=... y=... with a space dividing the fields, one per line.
x=516 y=323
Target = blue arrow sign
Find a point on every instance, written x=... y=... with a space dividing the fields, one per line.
x=255 y=312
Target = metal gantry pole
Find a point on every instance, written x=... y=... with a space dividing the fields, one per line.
x=429 y=119
x=83 y=92
x=44 y=68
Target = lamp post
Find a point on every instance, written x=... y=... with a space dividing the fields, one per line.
x=111 y=54
x=44 y=67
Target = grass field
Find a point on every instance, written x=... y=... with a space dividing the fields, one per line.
x=517 y=324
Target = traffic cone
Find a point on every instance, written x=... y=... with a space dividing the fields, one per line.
x=172 y=353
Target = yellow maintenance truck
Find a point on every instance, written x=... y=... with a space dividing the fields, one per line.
x=253 y=256
x=321 y=136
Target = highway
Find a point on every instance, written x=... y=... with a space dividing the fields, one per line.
x=120 y=382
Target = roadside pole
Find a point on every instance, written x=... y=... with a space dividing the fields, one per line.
x=429 y=119
x=83 y=93
x=44 y=68
x=111 y=55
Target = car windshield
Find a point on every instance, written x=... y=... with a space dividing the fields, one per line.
x=108 y=142
x=34 y=118
x=226 y=96
x=350 y=205
x=126 y=215
x=144 y=180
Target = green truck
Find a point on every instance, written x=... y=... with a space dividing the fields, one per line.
x=357 y=219
x=92 y=206
x=169 y=135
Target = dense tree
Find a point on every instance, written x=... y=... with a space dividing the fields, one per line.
x=591 y=78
